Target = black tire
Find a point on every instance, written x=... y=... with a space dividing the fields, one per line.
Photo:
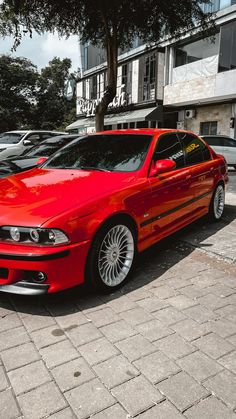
x=95 y=275
x=217 y=204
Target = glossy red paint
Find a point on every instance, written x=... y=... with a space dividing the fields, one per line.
x=79 y=202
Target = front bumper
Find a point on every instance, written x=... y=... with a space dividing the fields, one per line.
x=63 y=268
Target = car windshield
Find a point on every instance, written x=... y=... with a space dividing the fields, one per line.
x=48 y=147
x=108 y=152
x=10 y=137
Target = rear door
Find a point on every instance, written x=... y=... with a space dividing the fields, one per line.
x=199 y=161
x=230 y=151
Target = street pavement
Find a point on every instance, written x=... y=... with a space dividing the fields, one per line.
x=163 y=347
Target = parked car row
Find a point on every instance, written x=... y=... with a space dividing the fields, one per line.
x=223 y=145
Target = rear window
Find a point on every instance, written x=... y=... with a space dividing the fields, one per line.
x=10 y=138
x=214 y=141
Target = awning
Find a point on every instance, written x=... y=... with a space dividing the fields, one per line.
x=148 y=114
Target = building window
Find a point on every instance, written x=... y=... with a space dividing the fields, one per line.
x=196 y=51
x=208 y=128
x=227 y=57
x=149 y=78
x=216 y=5
x=93 y=87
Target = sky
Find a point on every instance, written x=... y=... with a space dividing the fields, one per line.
x=40 y=49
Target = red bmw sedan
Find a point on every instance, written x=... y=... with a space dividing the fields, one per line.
x=85 y=214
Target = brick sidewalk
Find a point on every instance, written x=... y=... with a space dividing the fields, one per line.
x=163 y=347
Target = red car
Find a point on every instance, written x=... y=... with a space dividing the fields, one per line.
x=86 y=213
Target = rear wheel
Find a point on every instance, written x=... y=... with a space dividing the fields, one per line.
x=217 y=205
x=112 y=256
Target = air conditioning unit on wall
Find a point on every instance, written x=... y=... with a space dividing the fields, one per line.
x=190 y=113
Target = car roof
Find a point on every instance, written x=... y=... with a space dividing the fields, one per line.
x=33 y=130
x=56 y=138
x=216 y=135
x=144 y=131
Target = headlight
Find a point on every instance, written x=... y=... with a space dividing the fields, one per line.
x=39 y=236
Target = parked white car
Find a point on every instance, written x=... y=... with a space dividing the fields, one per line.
x=223 y=145
x=15 y=143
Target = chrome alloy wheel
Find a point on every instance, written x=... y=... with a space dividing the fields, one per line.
x=219 y=202
x=116 y=255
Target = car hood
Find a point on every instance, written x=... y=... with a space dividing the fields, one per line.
x=31 y=198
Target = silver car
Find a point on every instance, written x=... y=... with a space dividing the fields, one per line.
x=223 y=145
x=15 y=143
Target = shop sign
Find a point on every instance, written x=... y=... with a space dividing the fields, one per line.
x=88 y=107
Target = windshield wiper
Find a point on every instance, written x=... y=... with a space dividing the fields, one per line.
x=92 y=168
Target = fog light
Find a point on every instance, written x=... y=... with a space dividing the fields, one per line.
x=39 y=277
x=15 y=234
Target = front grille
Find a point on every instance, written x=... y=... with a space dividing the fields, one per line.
x=3 y=273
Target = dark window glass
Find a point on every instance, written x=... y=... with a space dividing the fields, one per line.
x=195 y=149
x=132 y=124
x=149 y=78
x=10 y=138
x=34 y=138
x=49 y=146
x=198 y=50
x=169 y=147
x=117 y=152
x=208 y=128
x=227 y=57
x=214 y=141
x=228 y=142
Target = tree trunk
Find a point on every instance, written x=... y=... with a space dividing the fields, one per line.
x=110 y=91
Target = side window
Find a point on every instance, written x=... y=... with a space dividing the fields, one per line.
x=229 y=143
x=45 y=136
x=169 y=147
x=34 y=138
x=214 y=141
x=195 y=150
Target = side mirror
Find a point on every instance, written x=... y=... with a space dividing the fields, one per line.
x=41 y=160
x=162 y=166
x=27 y=142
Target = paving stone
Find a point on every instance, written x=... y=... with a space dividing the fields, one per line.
x=192 y=291
x=179 y=282
x=164 y=292
x=228 y=312
x=213 y=345
x=223 y=385
x=229 y=361
x=6 y=307
x=115 y=371
x=72 y=374
x=89 y=398
x=156 y=367
x=231 y=299
x=3 y=380
x=135 y=347
x=9 y=321
x=113 y=412
x=63 y=414
x=118 y=331
x=28 y=306
x=41 y=402
x=163 y=410
x=182 y=390
x=47 y=336
x=103 y=317
x=199 y=366
x=98 y=351
x=137 y=395
x=8 y=406
x=59 y=353
x=123 y=303
x=170 y=315
x=84 y=334
x=28 y=377
x=189 y=329
x=174 y=346
x=232 y=339
x=152 y=304
x=154 y=330
x=200 y=314
x=137 y=294
x=210 y=408
x=136 y=316
x=20 y=356
x=221 y=290
x=203 y=281
x=33 y=323
x=228 y=280
x=13 y=337
x=222 y=327
x=181 y=302
x=72 y=320
x=211 y=301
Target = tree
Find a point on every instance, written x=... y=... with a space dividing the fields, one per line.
x=52 y=107
x=18 y=78
x=110 y=24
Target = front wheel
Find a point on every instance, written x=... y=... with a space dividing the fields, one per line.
x=217 y=204
x=112 y=256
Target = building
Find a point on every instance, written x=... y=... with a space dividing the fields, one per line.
x=191 y=84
